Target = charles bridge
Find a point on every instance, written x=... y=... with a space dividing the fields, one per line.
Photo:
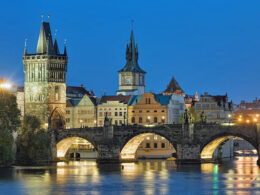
x=192 y=142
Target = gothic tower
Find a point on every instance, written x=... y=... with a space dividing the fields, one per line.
x=131 y=77
x=45 y=80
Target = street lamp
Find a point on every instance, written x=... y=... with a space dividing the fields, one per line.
x=80 y=123
x=149 y=119
x=163 y=119
x=95 y=122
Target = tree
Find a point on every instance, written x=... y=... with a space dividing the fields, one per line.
x=9 y=123
x=195 y=115
x=33 y=143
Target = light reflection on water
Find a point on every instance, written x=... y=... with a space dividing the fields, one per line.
x=238 y=176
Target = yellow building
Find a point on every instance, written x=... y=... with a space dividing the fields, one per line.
x=148 y=109
x=115 y=107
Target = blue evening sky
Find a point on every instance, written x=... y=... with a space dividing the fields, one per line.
x=208 y=46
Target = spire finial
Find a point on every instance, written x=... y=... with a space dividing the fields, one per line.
x=49 y=17
x=65 y=42
x=65 y=48
x=42 y=16
x=25 y=47
x=55 y=33
x=132 y=24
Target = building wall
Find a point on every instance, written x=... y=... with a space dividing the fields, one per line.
x=176 y=108
x=147 y=112
x=155 y=147
x=116 y=111
x=131 y=81
x=20 y=102
x=45 y=87
x=81 y=115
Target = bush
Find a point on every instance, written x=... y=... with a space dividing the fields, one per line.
x=33 y=143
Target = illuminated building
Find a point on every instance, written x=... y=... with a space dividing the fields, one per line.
x=216 y=108
x=45 y=80
x=131 y=77
x=115 y=107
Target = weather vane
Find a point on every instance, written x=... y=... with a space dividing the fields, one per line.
x=65 y=41
x=49 y=16
x=42 y=16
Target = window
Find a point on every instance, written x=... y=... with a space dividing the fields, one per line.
x=31 y=98
x=67 y=111
x=162 y=110
x=57 y=93
x=163 y=145
x=116 y=113
x=147 y=145
x=120 y=122
x=148 y=138
x=155 y=111
x=155 y=119
x=147 y=100
x=155 y=137
x=101 y=114
x=140 y=119
x=67 y=120
x=147 y=110
x=155 y=145
x=133 y=120
x=109 y=114
x=40 y=97
x=120 y=113
x=140 y=111
x=133 y=111
x=116 y=122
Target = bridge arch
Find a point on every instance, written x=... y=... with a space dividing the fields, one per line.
x=64 y=145
x=211 y=144
x=130 y=146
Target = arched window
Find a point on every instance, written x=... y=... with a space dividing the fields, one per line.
x=155 y=120
x=133 y=119
x=140 y=119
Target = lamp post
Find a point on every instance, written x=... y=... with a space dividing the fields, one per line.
x=229 y=118
x=149 y=119
x=95 y=123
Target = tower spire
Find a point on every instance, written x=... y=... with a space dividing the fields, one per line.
x=25 y=47
x=56 y=47
x=65 y=48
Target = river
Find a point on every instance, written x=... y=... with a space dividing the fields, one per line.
x=237 y=176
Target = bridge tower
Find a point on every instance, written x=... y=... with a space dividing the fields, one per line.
x=45 y=80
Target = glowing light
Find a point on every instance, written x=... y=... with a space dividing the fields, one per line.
x=229 y=116
x=240 y=119
x=6 y=85
x=163 y=117
x=148 y=117
x=257 y=115
x=35 y=89
x=247 y=121
x=255 y=119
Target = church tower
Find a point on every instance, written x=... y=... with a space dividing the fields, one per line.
x=131 y=77
x=45 y=80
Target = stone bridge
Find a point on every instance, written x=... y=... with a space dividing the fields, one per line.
x=192 y=142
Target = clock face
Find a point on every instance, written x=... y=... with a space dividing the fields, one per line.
x=128 y=80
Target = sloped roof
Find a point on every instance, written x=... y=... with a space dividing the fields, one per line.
x=173 y=87
x=132 y=57
x=121 y=98
x=45 y=44
x=162 y=99
x=77 y=90
x=69 y=103
x=134 y=100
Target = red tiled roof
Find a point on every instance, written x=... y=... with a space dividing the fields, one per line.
x=120 y=98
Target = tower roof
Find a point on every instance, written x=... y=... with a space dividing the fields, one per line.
x=173 y=87
x=45 y=43
x=132 y=56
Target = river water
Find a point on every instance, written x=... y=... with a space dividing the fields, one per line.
x=237 y=176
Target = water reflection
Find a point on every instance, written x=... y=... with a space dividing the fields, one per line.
x=238 y=176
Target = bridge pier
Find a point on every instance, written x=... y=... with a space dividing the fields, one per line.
x=188 y=153
x=108 y=153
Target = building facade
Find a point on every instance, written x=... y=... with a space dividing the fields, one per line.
x=115 y=108
x=148 y=109
x=131 y=77
x=45 y=80
x=216 y=108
